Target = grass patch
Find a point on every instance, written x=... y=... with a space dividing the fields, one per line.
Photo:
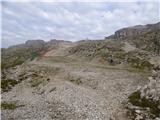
x=10 y=106
x=7 y=85
x=34 y=55
x=136 y=100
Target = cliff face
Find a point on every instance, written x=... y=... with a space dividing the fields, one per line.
x=145 y=37
x=126 y=32
x=136 y=30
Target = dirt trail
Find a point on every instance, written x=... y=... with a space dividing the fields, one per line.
x=61 y=51
x=76 y=90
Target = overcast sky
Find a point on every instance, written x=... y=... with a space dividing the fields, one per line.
x=73 y=21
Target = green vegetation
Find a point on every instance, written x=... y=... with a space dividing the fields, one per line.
x=136 y=100
x=7 y=85
x=12 y=57
x=10 y=106
x=34 y=55
x=15 y=62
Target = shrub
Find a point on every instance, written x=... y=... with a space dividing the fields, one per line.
x=136 y=100
x=5 y=105
x=34 y=55
x=10 y=106
x=6 y=85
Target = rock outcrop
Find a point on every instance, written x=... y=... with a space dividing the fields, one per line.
x=145 y=102
x=152 y=89
x=130 y=31
x=134 y=31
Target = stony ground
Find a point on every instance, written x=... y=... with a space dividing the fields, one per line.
x=61 y=87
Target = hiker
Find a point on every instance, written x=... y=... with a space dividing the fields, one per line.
x=110 y=60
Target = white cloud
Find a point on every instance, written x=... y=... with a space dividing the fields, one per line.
x=51 y=1
x=72 y=21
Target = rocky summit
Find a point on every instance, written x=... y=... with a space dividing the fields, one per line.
x=135 y=30
x=117 y=78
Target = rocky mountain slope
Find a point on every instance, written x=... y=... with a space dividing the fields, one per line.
x=136 y=30
x=145 y=37
x=86 y=80
x=31 y=49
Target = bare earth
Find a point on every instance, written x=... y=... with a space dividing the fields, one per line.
x=71 y=88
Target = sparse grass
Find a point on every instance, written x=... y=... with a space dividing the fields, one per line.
x=94 y=48
x=35 y=82
x=36 y=78
x=12 y=57
x=139 y=63
x=6 y=85
x=77 y=81
x=136 y=100
x=74 y=79
x=10 y=105
x=14 y=63
x=112 y=50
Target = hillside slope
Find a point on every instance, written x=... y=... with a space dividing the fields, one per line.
x=85 y=80
x=60 y=86
x=145 y=37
